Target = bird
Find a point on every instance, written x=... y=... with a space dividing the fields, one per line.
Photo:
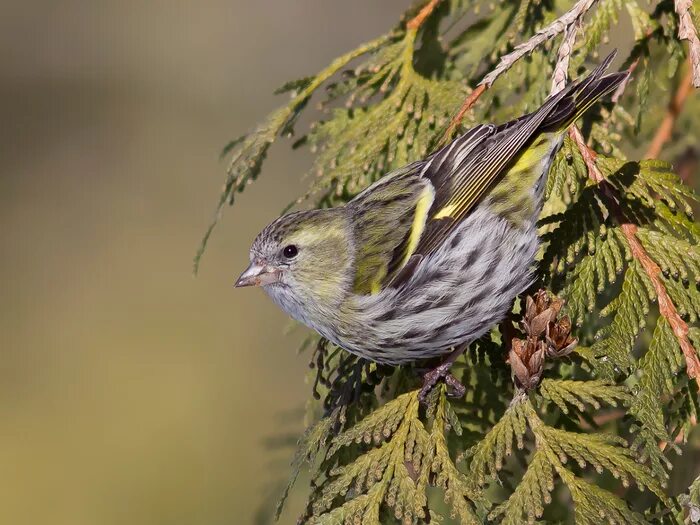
x=432 y=255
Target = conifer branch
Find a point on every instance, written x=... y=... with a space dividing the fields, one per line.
x=687 y=31
x=560 y=25
x=675 y=106
x=666 y=306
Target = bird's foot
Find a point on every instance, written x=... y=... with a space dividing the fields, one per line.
x=441 y=372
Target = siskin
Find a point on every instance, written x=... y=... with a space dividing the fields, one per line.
x=431 y=256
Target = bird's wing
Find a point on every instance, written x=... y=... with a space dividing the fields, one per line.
x=464 y=171
x=388 y=220
x=408 y=213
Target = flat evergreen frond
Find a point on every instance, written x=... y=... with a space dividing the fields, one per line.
x=468 y=49
x=629 y=311
x=523 y=79
x=594 y=273
x=658 y=369
x=656 y=180
x=294 y=86
x=372 y=473
x=603 y=452
x=396 y=473
x=533 y=493
x=685 y=297
x=362 y=474
x=228 y=148
x=566 y=393
x=642 y=22
x=605 y=134
x=677 y=224
x=593 y=504
x=379 y=425
x=361 y=509
x=413 y=106
x=585 y=251
x=487 y=379
x=554 y=448
x=461 y=493
x=487 y=457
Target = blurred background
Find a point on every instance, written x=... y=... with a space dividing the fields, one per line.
x=130 y=391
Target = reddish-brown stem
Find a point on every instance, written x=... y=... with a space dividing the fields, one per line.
x=666 y=307
x=675 y=105
x=417 y=21
x=466 y=106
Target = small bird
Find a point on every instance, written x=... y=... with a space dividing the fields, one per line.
x=432 y=255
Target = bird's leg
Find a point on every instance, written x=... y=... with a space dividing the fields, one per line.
x=442 y=371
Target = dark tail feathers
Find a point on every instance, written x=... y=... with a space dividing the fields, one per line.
x=580 y=95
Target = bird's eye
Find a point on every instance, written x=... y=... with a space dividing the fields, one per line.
x=290 y=251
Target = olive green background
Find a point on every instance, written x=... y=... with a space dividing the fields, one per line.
x=130 y=391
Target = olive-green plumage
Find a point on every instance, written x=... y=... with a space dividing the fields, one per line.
x=431 y=255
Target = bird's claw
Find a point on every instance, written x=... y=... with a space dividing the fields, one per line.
x=442 y=372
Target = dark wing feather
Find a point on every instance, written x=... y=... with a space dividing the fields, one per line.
x=465 y=170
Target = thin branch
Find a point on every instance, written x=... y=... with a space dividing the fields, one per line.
x=558 y=26
x=675 y=105
x=561 y=69
x=623 y=85
x=666 y=307
x=423 y=14
x=687 y=31
x=466 y=106
x=507 y=61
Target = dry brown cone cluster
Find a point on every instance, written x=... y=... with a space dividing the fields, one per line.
x=547 y=337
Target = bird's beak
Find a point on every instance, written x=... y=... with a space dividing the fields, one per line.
x=258 y=275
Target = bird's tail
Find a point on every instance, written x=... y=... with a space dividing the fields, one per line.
x=579 y=96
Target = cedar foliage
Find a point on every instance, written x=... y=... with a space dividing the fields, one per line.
x=590 y=439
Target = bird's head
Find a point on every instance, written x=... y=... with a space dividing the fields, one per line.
x=305 y=257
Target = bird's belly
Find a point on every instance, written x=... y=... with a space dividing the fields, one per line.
x=455 y=296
